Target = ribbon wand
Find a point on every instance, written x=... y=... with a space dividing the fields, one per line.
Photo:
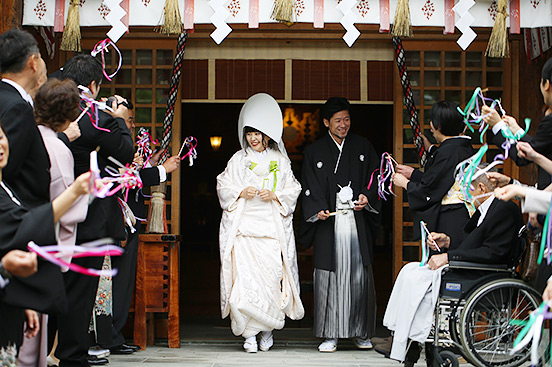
x=430 y=237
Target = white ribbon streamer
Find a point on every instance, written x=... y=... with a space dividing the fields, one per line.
x=116 y=13
x=219 y=20
x=464 y=22
x=348 y=21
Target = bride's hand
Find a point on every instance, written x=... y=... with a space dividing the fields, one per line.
x=267 y=195
x=248 y=192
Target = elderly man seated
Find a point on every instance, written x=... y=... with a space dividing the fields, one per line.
x=491 y=237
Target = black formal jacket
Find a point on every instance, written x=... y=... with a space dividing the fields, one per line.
x=426 y=189
x=43 y=291
x=105 y=218
x=541 y=142
x=28 y=169
x=320 y=186
x=495 y=239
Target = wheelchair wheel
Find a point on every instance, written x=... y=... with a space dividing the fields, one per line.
x=449 y=359
x=486 y=334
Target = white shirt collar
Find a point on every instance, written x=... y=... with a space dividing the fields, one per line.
x=484 y=208
x=340 y=147
x=26 y=96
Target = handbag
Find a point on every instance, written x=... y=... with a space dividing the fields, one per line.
x=529 y=266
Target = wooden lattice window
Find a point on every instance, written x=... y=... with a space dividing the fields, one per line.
x=440 y=71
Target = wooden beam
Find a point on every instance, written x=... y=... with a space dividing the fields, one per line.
x=10 y=14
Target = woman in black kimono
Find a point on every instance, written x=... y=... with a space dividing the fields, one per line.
x=431 y=194
x=44 y=290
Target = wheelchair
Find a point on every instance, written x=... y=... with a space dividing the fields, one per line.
x=473 y=316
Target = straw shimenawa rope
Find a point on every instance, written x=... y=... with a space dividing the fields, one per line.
x=401 y=24
x=284 y=11
x=71 y=34
x=498 y=42
x=172 y=23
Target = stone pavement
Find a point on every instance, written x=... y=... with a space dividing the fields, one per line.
x=212 y=346
x=224 y=354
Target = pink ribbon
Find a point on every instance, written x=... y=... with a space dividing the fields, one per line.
x=318 y=13
x=191 y=143
x=102 y=47
x=91 y=108
x=144 y=141
x=385 y=177
x=384 y=16
x=128 y=179
x=50 y=253
x=449 y=17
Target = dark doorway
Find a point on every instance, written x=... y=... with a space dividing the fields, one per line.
x=201 y=213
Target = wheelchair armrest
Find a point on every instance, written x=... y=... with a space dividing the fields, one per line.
x=478 y=266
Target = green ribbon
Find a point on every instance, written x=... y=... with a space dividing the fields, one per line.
x=545 y=234
x=274 y=169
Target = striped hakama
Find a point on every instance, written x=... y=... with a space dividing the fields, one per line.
x=345 y=299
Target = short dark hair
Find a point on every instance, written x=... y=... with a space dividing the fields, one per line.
x=447 y=119
x=249 y=129
x=334 y=105
x=16 y=46
x=546 y=73
x=83 y=69
x=57 y=102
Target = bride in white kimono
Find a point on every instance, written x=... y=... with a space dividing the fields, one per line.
x=258 y=193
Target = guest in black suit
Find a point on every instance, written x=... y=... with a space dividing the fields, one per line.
x=541 y=143
x=104 y=217
x=22 y=67
x=123 y=283
x=42 y=291
x=490 y=238
x=431 y=194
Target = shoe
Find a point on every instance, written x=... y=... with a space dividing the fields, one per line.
x=328 y=346
x=362 y=343
x=376 y=340
x=385 y=348
x=266 y=341
x=98 y=352
x=120 y=349
x=132 y=346
x=250 y=345
x=95 y=361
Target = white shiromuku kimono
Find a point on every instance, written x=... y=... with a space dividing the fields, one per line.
x=259 y=275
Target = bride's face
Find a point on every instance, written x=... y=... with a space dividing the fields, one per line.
x=257 y=141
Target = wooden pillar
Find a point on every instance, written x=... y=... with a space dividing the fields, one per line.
x=10 y=14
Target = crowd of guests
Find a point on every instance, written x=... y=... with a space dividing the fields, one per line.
x=47 y=132
x=46 y=137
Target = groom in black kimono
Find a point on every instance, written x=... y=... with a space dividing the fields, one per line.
x=344 y=215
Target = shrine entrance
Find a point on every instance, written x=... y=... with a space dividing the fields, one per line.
x=201 y=213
